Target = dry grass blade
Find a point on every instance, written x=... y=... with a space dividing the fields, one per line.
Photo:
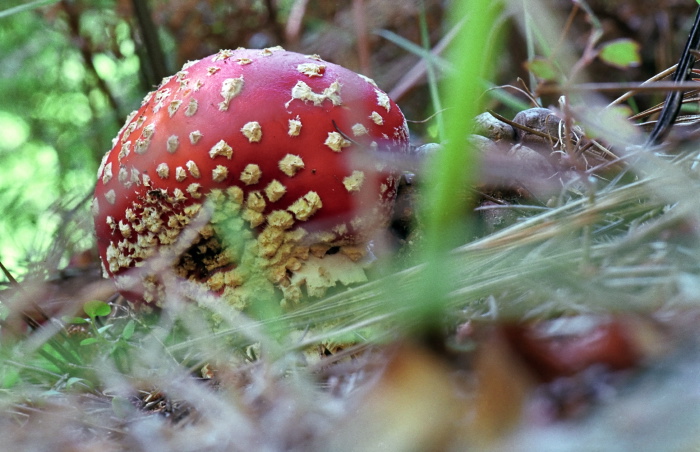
x=528 y=253
x=8 y=275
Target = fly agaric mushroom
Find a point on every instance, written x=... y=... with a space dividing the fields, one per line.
x=249 y=170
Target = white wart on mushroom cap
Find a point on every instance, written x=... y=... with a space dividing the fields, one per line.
x=280 y=143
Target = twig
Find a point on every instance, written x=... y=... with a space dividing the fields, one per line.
x=659 y=76
x=523 y=127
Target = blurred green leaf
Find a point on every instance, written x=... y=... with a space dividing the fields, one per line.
x=621 y=53
x=96 y=308
x=89 y=341
x=129 y=329
x=542 y=68
x=107 y=327
x=9 y=377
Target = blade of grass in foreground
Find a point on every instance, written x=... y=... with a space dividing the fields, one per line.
x=455 y=166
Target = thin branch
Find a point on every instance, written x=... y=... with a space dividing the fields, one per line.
x=658 y=76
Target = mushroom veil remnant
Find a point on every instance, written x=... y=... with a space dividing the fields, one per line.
x=249 y=171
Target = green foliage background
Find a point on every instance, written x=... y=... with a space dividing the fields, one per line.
x=56 y=121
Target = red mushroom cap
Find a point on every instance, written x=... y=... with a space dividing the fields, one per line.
x=281 y=144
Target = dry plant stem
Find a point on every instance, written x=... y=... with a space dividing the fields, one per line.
x=487 y=265
x=426 y=120
x=613 y=87
x=469 y=282
x=311 y=340
x=31 y=322
x=600 y=147
x=590 y=52
x=524 y=91
x=568 y=124
x=535 y=101
x=689 y=97
x=295 y=20
x=523 y=127
x=530 y=47
x=8 y=275
x=513 y=207
x=359 y=13
x=629 y=94
x=566 y=29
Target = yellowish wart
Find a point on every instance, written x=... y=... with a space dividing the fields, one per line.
x=336 y=142
x=252 y=131
x=291 y=164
